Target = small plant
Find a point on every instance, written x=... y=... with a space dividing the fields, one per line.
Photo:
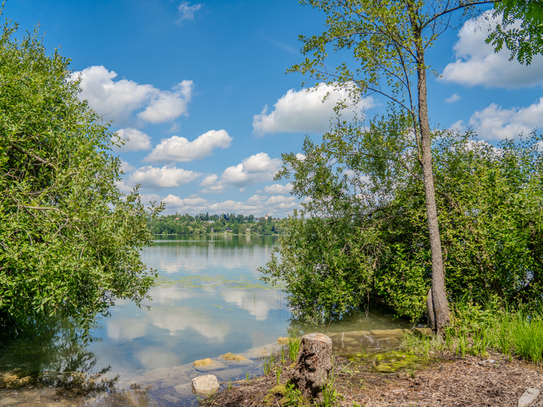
x=247 y=377
x=293 y=347
x=293 y=396
x=330 y=396
x=278 y=374
x=282 y=356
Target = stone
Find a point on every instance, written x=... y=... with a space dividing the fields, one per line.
x=205 y=385
x=184 y=389
x=231 y=356
x=202 y=362
x=313 y=365
x=423 y=332
x=282 y=341
x=171 y=399
x=216 y=365
x=528 y=397
x=231 y=374
x=388 y=332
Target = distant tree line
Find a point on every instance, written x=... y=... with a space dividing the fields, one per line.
x=204 y=223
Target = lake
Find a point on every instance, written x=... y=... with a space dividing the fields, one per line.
x=208 y=301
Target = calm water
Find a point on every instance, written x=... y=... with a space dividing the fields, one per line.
x=208 y=301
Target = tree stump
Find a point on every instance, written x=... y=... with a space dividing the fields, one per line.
x=313 y=365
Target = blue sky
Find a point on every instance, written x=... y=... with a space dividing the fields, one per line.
x=200 y=91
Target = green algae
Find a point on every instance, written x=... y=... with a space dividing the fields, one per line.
x=389 y=362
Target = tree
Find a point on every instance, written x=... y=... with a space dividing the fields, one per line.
x=520 y=29
x=69 y=239
x=388 y=39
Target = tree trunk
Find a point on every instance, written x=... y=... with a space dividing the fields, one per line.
x=439 y=296
x=313 y=365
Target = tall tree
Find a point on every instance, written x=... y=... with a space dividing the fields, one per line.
x=388 y=41
x=69 y=239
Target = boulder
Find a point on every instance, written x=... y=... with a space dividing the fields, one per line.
x=282 y=341
x=205 y=385
x=202 y=362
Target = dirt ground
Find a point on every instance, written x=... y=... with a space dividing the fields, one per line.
x=452 y=381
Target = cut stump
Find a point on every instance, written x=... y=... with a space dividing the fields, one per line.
x=313 y=365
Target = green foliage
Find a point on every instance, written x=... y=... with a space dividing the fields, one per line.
x=475 y=328
x=207 y=224
x=363 y=237
x=70 y=240
x=521 y=28
x=293 y=348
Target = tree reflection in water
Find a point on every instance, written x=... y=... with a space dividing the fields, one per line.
x=52 y=352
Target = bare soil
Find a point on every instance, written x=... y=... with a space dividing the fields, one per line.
x=452 y=381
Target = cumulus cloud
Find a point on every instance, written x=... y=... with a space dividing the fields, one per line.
x=168 y=106
x=117 y=100
x=165 y=177
x=257 y=168
x=496 y=123
x=453 y=98
x=126 y=166
x=278 y=205
x=477 y=63
x=278 y=189
x=305 y=110
x=186 y=11
x=180 y=149
x=134 y=140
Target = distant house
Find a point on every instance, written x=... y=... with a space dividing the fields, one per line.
x=266 y=217
x=176 y=218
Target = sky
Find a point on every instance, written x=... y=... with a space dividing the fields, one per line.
x=201 y=96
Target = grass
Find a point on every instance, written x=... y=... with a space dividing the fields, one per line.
x=476 y=329
x=293 y=347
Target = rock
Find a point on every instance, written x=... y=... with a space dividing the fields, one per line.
x=313 y=365
x=423 y=332
x=388 y=332
x=171 y=399
x=215 y=365
x=231 y=356
x=282 y=341
x=204 y=385
x=184 y=389
x=231 y=374
x=202 y=362
x=528 y=397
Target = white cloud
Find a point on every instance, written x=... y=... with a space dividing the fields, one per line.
x=209 y=180
x=477 y=63
x=496 y=123
x=117 y=100
x=168 y=106
x=300 y=156
x=305 y=111
x=278 y=189
x=259 y=205
x=187 y=12
x=454 y=98
x=257 y=168
x=165 y=177
x=180 y=149
x=126 y=166
x=134 y=140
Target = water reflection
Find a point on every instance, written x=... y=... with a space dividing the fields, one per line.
x=209 y=302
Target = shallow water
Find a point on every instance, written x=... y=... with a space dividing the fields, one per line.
x=208 y=301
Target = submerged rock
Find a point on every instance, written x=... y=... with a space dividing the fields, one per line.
x=205 y=385
x=231 y=356
x=202 y=362
x=282 y=341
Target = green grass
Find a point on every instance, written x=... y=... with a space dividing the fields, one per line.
x=476 y=329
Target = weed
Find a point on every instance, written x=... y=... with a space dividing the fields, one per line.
x=278 y=374
x=293 y=347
